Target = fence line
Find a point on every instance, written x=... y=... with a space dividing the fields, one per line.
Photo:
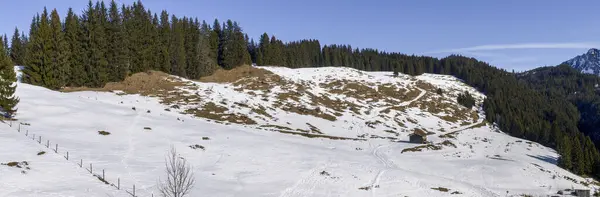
x=102 y=178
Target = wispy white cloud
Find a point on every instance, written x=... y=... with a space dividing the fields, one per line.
x=492 y=47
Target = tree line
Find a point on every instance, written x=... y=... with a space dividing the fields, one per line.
x=107 y=43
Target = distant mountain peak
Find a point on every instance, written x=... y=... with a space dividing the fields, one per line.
x=587 y=63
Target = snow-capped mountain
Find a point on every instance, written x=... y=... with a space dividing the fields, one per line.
x=587 y=63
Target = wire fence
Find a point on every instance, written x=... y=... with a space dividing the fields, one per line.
x=65 y=153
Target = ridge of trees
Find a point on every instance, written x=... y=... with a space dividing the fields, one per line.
x=107 y=43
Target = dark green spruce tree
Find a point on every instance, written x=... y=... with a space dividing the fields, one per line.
x=118 y=53
x=215 y=42
x=57 y=70
x=17 y=50
x=37 y=57
x=8 y=100
x=75 y=40
x=177 y=49
x=164 y=37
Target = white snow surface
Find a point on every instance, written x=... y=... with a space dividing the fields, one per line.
x=19 y=72
x=241 y=160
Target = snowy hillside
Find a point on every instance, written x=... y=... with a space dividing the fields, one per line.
x=280 y=132
x=587 y=63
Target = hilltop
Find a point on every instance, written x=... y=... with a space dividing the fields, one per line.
x=274 y=131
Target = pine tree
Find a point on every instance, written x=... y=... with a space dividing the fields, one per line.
x=37 y=48
x=164 y=36
x=74 y=38
x=565 y=160
x=142 y=39
x=5 y=43
x=207 y=63
x=262 y=54
x=177 y=47
x=17 y=50
x=235 y=51
x=8 y=101
x=251 y=49
x=118 y=53
x=578 y=159
x=94 y=23
x=215 y=42
x=57 y=70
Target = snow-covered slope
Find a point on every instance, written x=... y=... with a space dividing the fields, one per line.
x=587 y=63
x=354 y=144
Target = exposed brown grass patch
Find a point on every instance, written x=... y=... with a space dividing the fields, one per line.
x=233 y=75
x=144 y=83
x=216 y=112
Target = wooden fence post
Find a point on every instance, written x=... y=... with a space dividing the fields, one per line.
x=48 y=144
x=27 y=133
x=134 y=190
x=81 y=163
x=33 y=136
x=91 y=170
x=119 y=183
x=67 y=155
x=56 y=150
x=103 y=174
x=40 y=140
x=19 y=130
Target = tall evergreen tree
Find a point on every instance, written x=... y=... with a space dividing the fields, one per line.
x=118 y=53
x=94 y=21
x=75 y=39
x=235 y=51
x=57 y=70
x=17 y=50
x=262 y=54
x=5 y=43
x=207 y=64
x=215 y=42
x=164 y=36
x=8 y=101
x=178 y=47
x=37 y=57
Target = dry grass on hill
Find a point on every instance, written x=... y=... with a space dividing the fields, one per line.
x=233 y=75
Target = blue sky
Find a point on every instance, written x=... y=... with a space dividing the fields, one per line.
x=512 y=34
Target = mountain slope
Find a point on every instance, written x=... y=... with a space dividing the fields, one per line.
x=356 y=146
x=587 y=63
